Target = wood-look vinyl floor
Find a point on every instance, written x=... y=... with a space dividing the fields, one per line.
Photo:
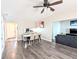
x=42 y=50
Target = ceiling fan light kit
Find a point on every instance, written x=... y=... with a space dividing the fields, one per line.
x=48 y=5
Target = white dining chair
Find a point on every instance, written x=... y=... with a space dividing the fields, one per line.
x=36 y=38
x=31 y=39
x=25 y=37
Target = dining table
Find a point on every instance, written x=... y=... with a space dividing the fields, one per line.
x=26 y=36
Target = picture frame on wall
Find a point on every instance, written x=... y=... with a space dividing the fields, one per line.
x=40 y=24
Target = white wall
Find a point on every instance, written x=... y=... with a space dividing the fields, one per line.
x=55 y=29
x=2 y=42
x=47 y=34
x=22 y=25
x=60 y=16
x=23 y=10
x=60 y=27
x=63 y=23
x=64 y=26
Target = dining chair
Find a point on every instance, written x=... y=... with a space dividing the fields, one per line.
x=31 y=39
x=26 y=39
x=36 y=38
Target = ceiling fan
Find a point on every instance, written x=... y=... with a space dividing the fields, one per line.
x=47 y=5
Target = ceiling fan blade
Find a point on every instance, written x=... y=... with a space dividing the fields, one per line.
x=37 y=6
x=56 y=3
x=51 y=9
x=42 y=10
x=45 y=1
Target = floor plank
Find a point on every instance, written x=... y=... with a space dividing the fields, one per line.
x=42 y=50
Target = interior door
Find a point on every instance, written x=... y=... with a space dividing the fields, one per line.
x=11 y=30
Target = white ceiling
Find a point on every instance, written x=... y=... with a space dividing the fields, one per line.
x=23 y=10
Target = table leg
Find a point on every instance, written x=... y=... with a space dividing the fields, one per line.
x=39 y=38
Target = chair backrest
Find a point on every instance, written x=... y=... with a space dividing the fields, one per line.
x=36 y=36
x=32 y=37
x=26 y=35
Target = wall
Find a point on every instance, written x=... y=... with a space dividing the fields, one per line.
x=2 y=42
x=22 y=25
x=55 y=29
x=67 y=12
x=22 y=10
x=60 y=27
x=49 y=21
x=47 y=34
x=64 y=26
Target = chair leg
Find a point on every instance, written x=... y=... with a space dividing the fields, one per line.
x=33 y=41
x=25 y=45
x=29 y=42
x=39 y=40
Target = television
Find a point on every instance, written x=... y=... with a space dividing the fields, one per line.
x=73 y=31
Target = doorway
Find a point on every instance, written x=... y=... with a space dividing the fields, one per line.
x=55 y=30
x=10 y=31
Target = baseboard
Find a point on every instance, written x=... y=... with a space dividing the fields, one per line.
x=44 y=38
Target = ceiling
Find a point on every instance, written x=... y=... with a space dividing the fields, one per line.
x=23 y=10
